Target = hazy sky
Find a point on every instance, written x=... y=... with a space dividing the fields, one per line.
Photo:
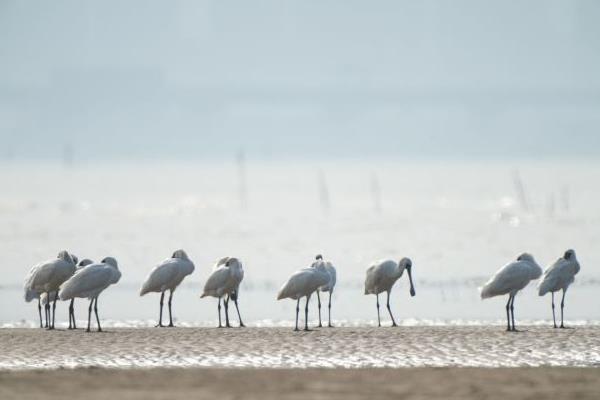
x=204 y=79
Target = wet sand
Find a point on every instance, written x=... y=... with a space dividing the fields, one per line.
x=409 y=383
x=439 y=346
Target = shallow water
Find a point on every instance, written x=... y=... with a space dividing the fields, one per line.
x=282 y=348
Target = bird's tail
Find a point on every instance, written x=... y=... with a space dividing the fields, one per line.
x=544 y=287
x=487 y=291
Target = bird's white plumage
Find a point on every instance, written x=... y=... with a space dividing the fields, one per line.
x=225 y=278
x=168 y=274
x=559 y=275
x=53 y=295
x=49 y=275
x=512 y=277
x=382 y=275
x=91 y=280
x=329 y=286
x=304 y=282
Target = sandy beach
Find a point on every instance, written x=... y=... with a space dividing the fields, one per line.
x=422 y=346
x=412 y=383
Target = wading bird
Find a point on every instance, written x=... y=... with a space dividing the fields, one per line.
x=557 y=277
x=302 y=284
x=89 y=283
x=54 y=295
x=509 y=279
x=47 y=277
x=167 y=276
x=382 y=275
x=326 y=288
x=225 y=280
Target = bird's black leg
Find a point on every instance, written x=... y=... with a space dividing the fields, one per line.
x=562 y=307
x=378 y=318
x=512 y=311
x=170 y=312
x=97 y=318
x=329 y=307
x=162 y=299
x=297 y=312
x=219 y=309
x=508 y=313
x=319 y=305
x=54 y=309
x=390 y=310
x=235 y=301
x=72 y=314
x=226 y=303
x=89 y=315
x=553 y=314
x=306 y=314
x=40 y=312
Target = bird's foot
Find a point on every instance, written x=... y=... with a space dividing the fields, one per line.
x=242 y=325
x=320 y=325
x=159 y=326
x=307 y=329
x=296 y=329
x=99 y=329
x=566 y=327
x=394 y=324
x=171 y=325
x=88 y=330
x=330 y=326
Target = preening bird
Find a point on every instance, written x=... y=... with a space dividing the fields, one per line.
x=382 y=275
x=509 y=279
x=54 y=295
x=224 y=281
x=167 y=276
x=89 y=283
x=47 y=277
x=327 y=287
x=559 y=276
x=302 y=284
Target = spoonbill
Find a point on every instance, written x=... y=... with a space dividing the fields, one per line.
x=47 y=277
x=509 y=279
x=90 y=282
x=53 y=295
x=382 y=275
x=225 y=281
x=557 y=277
x=167 y=276
x=303 y=283
x=326 y=288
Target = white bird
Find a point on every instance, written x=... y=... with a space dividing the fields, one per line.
x=167 y=276
x=382 y=275
x=509 y=279
x=225 y=280
x=47 y=277
x=90 y=282
x=557 y=277
x=54 y=295
x=327 y=287
x=302 y=284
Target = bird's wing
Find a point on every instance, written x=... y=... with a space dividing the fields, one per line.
x=217 y=281
x=297 y=283
x=42 y=274
x=512 y=276
x=91 y=278
x=560 y=273
x=160 y=276
x=30 y=294
x=332 y=273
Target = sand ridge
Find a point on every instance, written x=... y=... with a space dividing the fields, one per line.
x=283 y=348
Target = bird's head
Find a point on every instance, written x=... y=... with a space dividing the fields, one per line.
x=64 y=255
x=525 y=257
x=406 y=264
x=569 y=255
x=85 y=262
x=110 y=261
x=319 y=257
x=180 y=254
